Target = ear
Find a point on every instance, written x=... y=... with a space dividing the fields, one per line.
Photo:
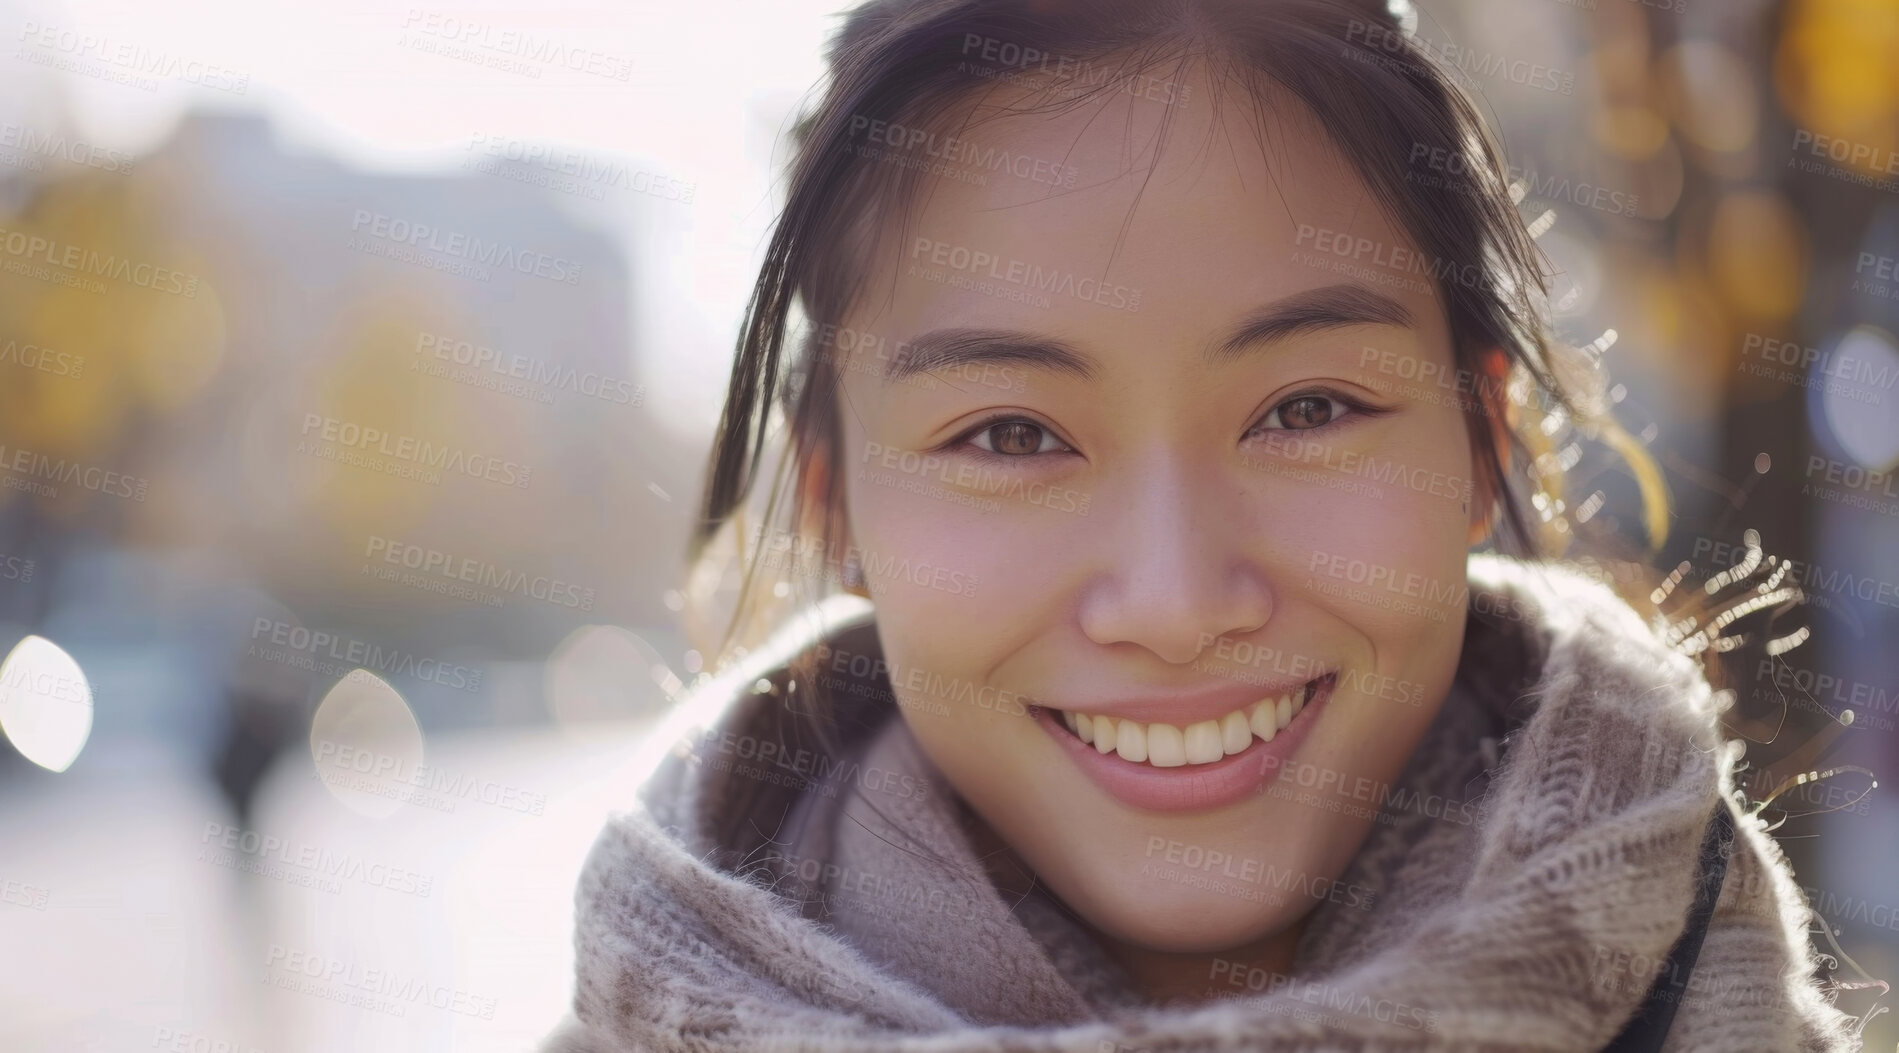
x=814 y=484
x=1493 y=410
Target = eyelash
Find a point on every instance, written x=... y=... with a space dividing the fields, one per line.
x=1354 y=408
x=965 y=442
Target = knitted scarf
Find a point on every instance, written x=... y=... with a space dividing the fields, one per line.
x=1521 y=888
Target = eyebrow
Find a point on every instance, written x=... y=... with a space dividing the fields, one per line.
x=1314 y=310
x=1311 y=311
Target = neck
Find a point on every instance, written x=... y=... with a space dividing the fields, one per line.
x=1171 y=977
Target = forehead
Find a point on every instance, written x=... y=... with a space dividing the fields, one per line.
x=1057 y=220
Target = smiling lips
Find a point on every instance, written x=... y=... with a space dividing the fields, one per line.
x=1170 y=746
x=1155 y=766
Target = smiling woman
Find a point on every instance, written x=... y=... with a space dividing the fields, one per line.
x=1243 y=742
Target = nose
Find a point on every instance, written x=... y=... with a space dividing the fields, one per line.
x=1176 y=570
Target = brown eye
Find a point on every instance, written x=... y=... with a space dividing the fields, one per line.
x=1016 y=438
x=1304 y=412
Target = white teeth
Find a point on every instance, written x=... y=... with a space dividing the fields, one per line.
x=1264 y=720
x=1131 y=741
x=1235 y=733
x=1170 y=746
x=1204 y=744
x=1166 y=746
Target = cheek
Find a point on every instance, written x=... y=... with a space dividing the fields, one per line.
x=959 y=592
x=1383 y=548
x=953 y=576
x=954 y=599
x=1393 y=542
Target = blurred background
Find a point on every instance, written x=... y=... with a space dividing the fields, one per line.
x=357 y=371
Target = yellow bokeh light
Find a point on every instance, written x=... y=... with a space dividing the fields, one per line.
x=1837 y=72
x=1757 y=254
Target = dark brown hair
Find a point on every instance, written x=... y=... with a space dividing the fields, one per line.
x=1384 y=102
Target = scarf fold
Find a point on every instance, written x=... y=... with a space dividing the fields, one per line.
x=1521 y=886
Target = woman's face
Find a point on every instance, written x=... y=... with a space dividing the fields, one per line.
x=1189 y=471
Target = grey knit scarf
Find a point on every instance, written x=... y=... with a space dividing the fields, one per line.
x=1521 y=888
